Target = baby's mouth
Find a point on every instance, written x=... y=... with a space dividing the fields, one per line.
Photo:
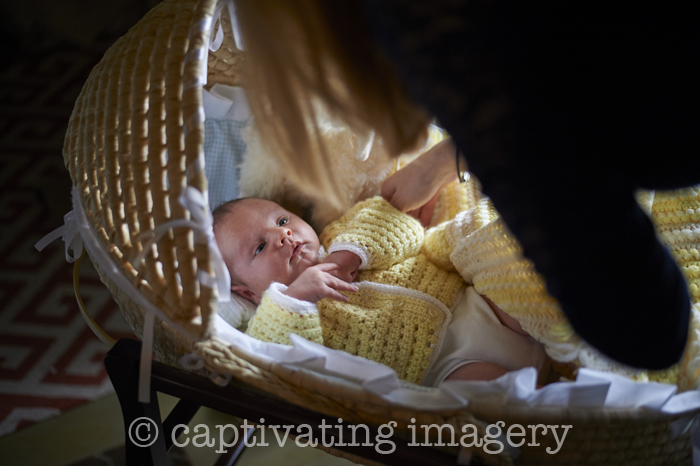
x=298 y=247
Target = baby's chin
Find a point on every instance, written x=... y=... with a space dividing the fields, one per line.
x=303 y=265
x=309 y=259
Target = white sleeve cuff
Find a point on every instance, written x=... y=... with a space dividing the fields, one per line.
x=276 y=294
x=356 y=248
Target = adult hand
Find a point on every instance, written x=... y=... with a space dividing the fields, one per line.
x=316 y=283
x=414 y=188
x=424 y=214
x=348 y=264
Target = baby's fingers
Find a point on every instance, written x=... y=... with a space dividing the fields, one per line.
x=342 y=285
x=332 y=294
x=327 y=266
x=334 y=285
x=342 y=275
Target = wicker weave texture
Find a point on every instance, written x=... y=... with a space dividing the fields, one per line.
x=598 y=436
x=133 y=145
x=130 y=160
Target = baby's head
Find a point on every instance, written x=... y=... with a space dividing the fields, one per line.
x=261 y=243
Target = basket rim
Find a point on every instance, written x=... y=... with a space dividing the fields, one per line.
x=324 y=385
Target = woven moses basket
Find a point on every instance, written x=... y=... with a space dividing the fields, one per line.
x=135 y=145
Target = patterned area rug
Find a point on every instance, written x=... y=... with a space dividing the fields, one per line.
x=50 y=360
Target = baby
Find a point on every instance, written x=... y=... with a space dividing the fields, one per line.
x=405 y=311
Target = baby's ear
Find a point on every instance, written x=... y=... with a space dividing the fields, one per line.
x=245 y=292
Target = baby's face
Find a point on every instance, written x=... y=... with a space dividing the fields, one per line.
x=264 y=243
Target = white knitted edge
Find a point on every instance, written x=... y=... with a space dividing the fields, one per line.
x=415 y=294
x=356 y=248
x=276 y=294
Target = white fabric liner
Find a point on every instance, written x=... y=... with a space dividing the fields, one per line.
x=592 y=389
x=224 y=102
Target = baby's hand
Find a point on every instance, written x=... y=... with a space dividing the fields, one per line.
x=317 y=282
x=348 y=264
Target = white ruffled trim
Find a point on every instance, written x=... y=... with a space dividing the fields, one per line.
x=356 y=248
x=276 y=294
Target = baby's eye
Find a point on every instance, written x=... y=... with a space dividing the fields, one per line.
x=260 y=249
x=283 y=221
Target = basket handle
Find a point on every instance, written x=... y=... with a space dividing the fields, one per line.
x=94 y=326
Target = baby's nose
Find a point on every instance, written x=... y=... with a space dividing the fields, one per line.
x=286 y=236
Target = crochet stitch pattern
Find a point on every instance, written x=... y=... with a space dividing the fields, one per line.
x=275 y=323
x=400 y=314
x=404 y=258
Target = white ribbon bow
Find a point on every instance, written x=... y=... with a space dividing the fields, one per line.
x=202 y=224
x=216 y=40
x=191 y=362
x=70 y=235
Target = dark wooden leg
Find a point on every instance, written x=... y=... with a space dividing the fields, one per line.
x=231 y=456
x=238 y=399
x=182 y=413
x=122 y=363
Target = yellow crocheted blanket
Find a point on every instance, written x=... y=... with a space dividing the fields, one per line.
x=487 y=255
x=475 y=242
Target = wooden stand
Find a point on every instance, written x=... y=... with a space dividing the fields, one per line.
x=238 y=399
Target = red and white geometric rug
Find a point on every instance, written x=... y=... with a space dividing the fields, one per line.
x=50 y=361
